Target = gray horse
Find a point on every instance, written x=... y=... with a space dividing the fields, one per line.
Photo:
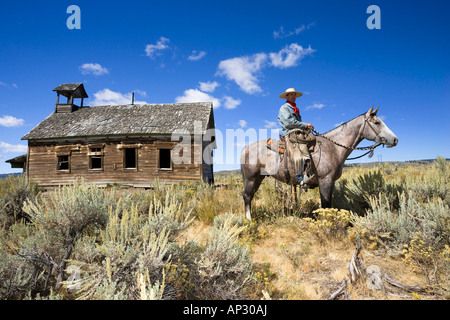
x=328 y=157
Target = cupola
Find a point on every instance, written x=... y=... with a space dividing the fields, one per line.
x=71 y=91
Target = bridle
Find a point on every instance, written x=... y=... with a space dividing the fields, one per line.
x=370 y=148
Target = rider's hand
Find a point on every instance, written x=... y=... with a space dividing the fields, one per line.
x=310 y=126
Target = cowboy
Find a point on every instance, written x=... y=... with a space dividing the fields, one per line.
x=289 y=116
x=289 y=119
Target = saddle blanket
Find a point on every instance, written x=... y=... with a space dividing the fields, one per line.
x=276 y=145
x=280 y=145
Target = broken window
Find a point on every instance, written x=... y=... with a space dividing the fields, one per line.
x=130 y=157
x=95 y=159
x=164 y=159
x=63 y=163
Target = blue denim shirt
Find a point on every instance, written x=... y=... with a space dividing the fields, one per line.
x=289 y=120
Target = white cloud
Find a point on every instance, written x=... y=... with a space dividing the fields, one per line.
x=242 y=123
x=246 y=70
x=196 y=55
x=289 y=56
x=9 y=121
x=152 y=50
x=93 y=68
x=243 y=71
x=208 y=86
x=6 y=147
x=315 y=106
x=270 y=124
x=106 y=97
x=281 y=33
x=231 y=103
x=195 y=95
x=141 y=92
x=7 y=85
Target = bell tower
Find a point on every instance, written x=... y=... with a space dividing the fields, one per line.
x=71 y=91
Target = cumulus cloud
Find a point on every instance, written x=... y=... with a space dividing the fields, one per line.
x=196 y=55
x=10 y=121
x=107 y=97
x=245 y=71
x=152 y=50
x=93 y=68
x=6 y=147
x=289 y=56
x=208 y=86
x=195 y=95
x=230 y=103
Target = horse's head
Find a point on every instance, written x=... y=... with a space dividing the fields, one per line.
x=376 y=130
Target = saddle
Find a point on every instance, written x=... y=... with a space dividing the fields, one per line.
x=294 y=137
x=297 y=146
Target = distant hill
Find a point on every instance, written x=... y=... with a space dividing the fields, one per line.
x=4 y=175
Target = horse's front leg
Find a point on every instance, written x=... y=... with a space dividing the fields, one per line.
x=326 y=186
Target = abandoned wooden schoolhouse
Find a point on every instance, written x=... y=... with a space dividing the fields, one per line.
x=117 y=144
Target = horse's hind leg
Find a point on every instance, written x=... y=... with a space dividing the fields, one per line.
x=250 y=188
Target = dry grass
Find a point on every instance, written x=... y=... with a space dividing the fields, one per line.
x=293 y=262
x=308 y=269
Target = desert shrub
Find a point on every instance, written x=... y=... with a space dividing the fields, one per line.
x=15 y=273
x=168 y=214
x=429 y=181
x=14 y=190
x=328 y=223
x=205 y=205
x=136 y=261
x=57 y=225
x=121 y=265
x=442 y=166
x=399 y=227
x=224 y=266
x=230 y=220
x=132 y=255
x=423 y=257
x=355 y=194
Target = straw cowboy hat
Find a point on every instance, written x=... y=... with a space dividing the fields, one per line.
x=290 y=90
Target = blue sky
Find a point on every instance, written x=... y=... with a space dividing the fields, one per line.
x=239 y=54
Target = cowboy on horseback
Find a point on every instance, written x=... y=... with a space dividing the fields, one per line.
x=289 y=118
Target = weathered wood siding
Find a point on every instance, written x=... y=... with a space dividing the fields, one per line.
x=43 y=162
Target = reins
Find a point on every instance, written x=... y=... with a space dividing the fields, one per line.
x=370 y=148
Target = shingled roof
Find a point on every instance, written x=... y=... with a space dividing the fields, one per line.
x=145 y=119
x=75 y=89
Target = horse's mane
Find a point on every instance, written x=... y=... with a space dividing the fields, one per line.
x=343 y=124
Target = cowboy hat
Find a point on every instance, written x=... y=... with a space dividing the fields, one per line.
x=290 y=90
